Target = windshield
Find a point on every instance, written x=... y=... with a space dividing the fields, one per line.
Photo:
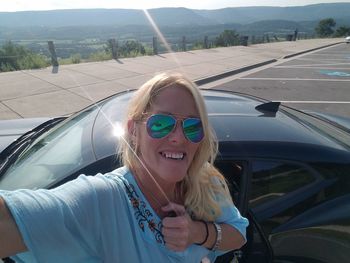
x=58 y=152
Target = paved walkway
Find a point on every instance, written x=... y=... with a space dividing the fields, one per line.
x=59 y=91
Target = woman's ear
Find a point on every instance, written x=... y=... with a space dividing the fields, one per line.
x=132 y=128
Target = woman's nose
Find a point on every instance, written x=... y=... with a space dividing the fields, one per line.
x=177 y=134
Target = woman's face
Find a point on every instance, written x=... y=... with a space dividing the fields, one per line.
x=169 y=158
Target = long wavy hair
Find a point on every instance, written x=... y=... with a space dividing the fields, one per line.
x=204 y=188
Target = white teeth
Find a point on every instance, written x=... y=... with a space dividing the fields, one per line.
x=177 y=156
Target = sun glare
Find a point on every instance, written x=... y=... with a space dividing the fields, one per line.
x=118 y=130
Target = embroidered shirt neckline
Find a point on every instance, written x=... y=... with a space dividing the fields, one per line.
x=144 y=214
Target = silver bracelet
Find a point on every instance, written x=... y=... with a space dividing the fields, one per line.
x=218 y=236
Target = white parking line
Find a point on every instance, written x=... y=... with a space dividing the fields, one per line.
x=313 y=101
x=326 y=59
x=329 y=67
x=314 y=65
x=334 y=80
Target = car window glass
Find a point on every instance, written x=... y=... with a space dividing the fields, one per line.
x=233 y=171
x=280 y=191
x=108 y=126
x=53 y=155
x=271 y=180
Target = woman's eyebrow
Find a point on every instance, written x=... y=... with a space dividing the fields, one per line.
x=177 y=115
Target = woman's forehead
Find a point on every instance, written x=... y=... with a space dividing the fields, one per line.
x=176 y=101
x=173 y=92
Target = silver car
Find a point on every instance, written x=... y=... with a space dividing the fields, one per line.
x=347 y=40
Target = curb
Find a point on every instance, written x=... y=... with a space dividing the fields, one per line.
x=310 y=50
x=226 y=74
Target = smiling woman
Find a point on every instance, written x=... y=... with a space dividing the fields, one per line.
x=167 y=198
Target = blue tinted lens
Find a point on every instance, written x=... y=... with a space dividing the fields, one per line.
x=159 y=125
x=193 y=129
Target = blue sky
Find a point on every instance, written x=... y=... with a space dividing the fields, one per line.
x=22 y=5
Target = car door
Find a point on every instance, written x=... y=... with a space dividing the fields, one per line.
x=257 y=248
x=302 y=209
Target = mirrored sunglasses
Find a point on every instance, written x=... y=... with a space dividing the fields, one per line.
x=161 y=125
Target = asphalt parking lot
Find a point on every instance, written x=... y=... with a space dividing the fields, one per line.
x=57 y=91
x=316 y=81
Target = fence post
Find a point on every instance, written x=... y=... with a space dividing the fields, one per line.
x=295 y=34
x=155 y=46
x=114 y=48
x=183 y=43
x=53 y=53
x=206 y=42
x=289 y=37
x=244 y=41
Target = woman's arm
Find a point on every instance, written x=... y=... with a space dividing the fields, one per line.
x=181 y=231
x=231 y=238
x=11 y=241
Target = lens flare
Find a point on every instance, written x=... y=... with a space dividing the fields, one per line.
x=118 y=130
x=162 y=38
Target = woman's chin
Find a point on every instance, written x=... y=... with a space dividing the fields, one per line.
x=173 y=176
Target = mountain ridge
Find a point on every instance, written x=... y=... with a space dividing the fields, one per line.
x=178 y=16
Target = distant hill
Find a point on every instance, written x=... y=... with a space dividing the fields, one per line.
x=74 y=17
x=173 y=16
x=245 y=15
x=269 y=26
x=98 y=17
x=92 y=27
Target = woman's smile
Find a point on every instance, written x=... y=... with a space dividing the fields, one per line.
x=173 y=155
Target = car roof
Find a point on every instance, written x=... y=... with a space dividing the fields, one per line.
x=236 y=120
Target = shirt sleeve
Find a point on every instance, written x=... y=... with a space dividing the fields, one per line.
x=230 y=215
x=62 y=223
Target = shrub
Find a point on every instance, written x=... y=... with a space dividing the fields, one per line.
x=100 y=56
x=76 y=58
x=15 y=57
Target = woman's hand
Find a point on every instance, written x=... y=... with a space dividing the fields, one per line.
x=11 y=241
x=181 y=231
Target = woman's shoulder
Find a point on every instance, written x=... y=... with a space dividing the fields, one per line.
x=95 y=184
x=120 y=174
x=116 y=178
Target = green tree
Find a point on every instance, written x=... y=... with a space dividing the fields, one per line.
x=198 y=45
x=227 y=38
x=130 y=48
x=342 y=31
x=15 y=57
x=325 y=27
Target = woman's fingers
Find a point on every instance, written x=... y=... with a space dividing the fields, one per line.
x=176 y=230
x=178 y=209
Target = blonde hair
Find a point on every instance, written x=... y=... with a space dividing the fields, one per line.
x=204 y=188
